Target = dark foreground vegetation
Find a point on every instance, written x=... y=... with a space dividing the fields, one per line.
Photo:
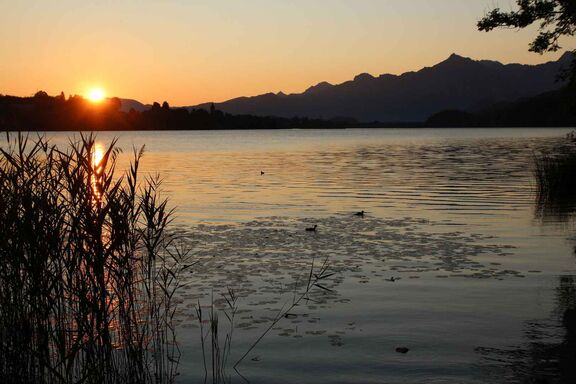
x=555 y=174
x=88 y=270
x=90 y=273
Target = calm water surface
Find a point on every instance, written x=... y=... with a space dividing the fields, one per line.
x=449 y=212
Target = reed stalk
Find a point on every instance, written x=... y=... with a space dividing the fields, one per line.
x=555 y=176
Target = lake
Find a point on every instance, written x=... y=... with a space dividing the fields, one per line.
x=453 y=259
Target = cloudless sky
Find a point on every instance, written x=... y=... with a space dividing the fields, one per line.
x=192 y=51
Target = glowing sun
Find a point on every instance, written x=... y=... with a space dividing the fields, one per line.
x=96 y=95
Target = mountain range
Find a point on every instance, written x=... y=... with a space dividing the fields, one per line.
x=457 y=83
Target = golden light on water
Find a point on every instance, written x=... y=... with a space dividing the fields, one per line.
x=96 y=95
x=97 y=155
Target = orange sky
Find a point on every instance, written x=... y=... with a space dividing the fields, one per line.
x=192 y=51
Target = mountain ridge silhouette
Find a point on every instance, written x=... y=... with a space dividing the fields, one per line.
x=458 y=83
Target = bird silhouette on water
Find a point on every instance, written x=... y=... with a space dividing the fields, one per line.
x=360 y=214
x=261 y=173
x=312 y=229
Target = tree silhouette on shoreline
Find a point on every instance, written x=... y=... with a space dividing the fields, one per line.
x=42 y=112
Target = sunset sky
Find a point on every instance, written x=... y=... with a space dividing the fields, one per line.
x=192 y=51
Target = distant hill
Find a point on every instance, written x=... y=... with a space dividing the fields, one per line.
x=458 y=83
x=551 y=109
x=127 y=104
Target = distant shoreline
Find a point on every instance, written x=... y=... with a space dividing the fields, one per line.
x=297 y=129
x=44 y=113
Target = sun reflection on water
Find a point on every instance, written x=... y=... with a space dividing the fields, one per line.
x=97 y=157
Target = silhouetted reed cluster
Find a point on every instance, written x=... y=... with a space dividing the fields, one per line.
x=88 y=271
x=555 y=175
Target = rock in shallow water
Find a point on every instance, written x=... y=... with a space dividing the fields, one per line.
x=402 y=350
